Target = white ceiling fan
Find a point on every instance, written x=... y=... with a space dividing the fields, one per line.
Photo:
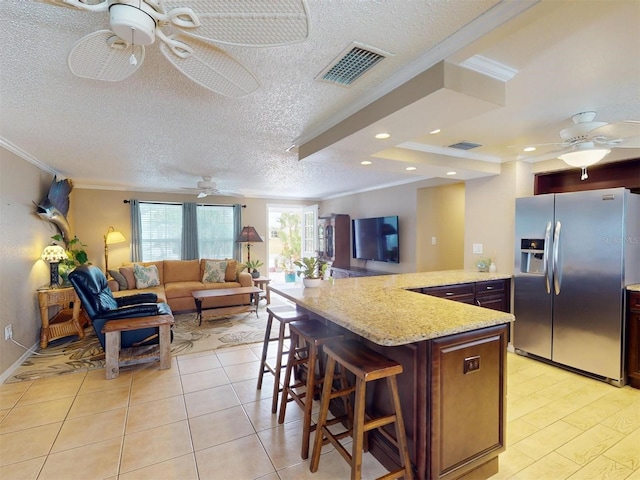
x=207 y=187
x=184 y=28
x=586 y=142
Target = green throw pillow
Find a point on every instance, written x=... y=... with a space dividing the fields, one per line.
x=146 y=276
x=214 y=271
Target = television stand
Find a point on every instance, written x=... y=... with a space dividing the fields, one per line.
x=348 y=272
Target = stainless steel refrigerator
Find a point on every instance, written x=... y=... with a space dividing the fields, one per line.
x=575 y=254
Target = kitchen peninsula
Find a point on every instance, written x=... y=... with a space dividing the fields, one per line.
x=453 y=386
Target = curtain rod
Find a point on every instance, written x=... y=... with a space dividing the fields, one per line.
x=179 y=203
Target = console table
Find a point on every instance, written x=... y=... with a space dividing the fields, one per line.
x=67 y=321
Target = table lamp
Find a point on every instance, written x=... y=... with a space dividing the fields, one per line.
x=53 y=254
x=112 y=236
x=248 y=235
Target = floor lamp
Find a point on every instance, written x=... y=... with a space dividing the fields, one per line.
x=112 y=236
x=248 y=235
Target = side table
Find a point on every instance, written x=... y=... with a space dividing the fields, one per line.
x=67 y=321
x=263 y=284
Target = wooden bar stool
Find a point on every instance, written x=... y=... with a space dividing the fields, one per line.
x=284 y=315
x=367 y=366
x=306 y=354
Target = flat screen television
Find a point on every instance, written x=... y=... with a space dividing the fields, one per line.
x=376 y=239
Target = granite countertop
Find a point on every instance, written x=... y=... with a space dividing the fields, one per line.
x=383 y=310
x=634 y=288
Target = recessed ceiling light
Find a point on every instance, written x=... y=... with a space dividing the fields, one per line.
x=382 y=136
x=365 y=162
x=433 y=132
x=451 y=173
x=530 y=149
x=410 y=168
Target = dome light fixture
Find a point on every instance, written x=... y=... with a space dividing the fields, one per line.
x=382 y=136
x=584 y=155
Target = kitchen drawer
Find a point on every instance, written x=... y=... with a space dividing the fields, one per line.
x=490 y=287
x=464 y=292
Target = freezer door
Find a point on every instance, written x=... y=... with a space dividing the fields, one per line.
x=532 y=298
x=588 y=317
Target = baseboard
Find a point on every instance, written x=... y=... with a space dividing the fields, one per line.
x=9 y=371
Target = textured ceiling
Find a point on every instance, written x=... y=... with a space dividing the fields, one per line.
x=159 y=131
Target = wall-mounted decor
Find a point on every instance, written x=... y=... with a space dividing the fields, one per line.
x=55 y=206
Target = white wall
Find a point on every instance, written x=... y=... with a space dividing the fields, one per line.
x=490 y=214
x=401 y=200
x=440 y=219
x=23 y=236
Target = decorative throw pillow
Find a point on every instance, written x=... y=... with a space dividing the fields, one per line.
x=127 y=273
x=231 y=275
x=118 y=277
x=214 y=271
x=146 y=276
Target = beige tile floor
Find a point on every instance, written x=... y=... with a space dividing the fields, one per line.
x=204 y=419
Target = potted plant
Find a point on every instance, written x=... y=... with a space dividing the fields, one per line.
x=252 y=267
x=76 y=256
x=288 y=267
x=313 y=270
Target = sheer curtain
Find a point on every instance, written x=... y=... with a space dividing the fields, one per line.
x=136 y=231
x=190 y=231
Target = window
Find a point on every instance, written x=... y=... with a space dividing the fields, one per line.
x=162 y=231
x=216 y=237
x=161 y=234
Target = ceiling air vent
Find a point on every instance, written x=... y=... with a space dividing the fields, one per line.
x=465 y=145
x=355 y=60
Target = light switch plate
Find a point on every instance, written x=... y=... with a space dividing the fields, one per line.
x=433 y=240
x=477 y=248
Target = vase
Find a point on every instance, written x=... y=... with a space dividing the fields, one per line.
x=255 y=274
x=290 y=277
x=312 y=282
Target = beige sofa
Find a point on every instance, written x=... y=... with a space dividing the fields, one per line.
x=178 y=278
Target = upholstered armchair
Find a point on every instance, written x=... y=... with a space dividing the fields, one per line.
x=91 y=286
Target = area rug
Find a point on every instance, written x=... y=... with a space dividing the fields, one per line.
x=72 y=355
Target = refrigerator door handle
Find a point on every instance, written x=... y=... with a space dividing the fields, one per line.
x=545 y=257
x=557 y=260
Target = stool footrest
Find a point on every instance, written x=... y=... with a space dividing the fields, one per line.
x=379 y=422
x=342 y=393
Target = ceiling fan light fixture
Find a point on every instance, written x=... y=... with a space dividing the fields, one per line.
x=132 y=23
x=584 y=157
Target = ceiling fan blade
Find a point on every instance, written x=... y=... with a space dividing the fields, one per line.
x=92 y=5
x=259 y=23
x=619 y=135
x=209 y=66
x=102 y=55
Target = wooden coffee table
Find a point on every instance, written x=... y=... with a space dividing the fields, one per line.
x=200 y=295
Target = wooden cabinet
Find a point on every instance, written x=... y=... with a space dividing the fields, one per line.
x=334 y=235
x=453 y=396
x=633 y=339
x=493 y=294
